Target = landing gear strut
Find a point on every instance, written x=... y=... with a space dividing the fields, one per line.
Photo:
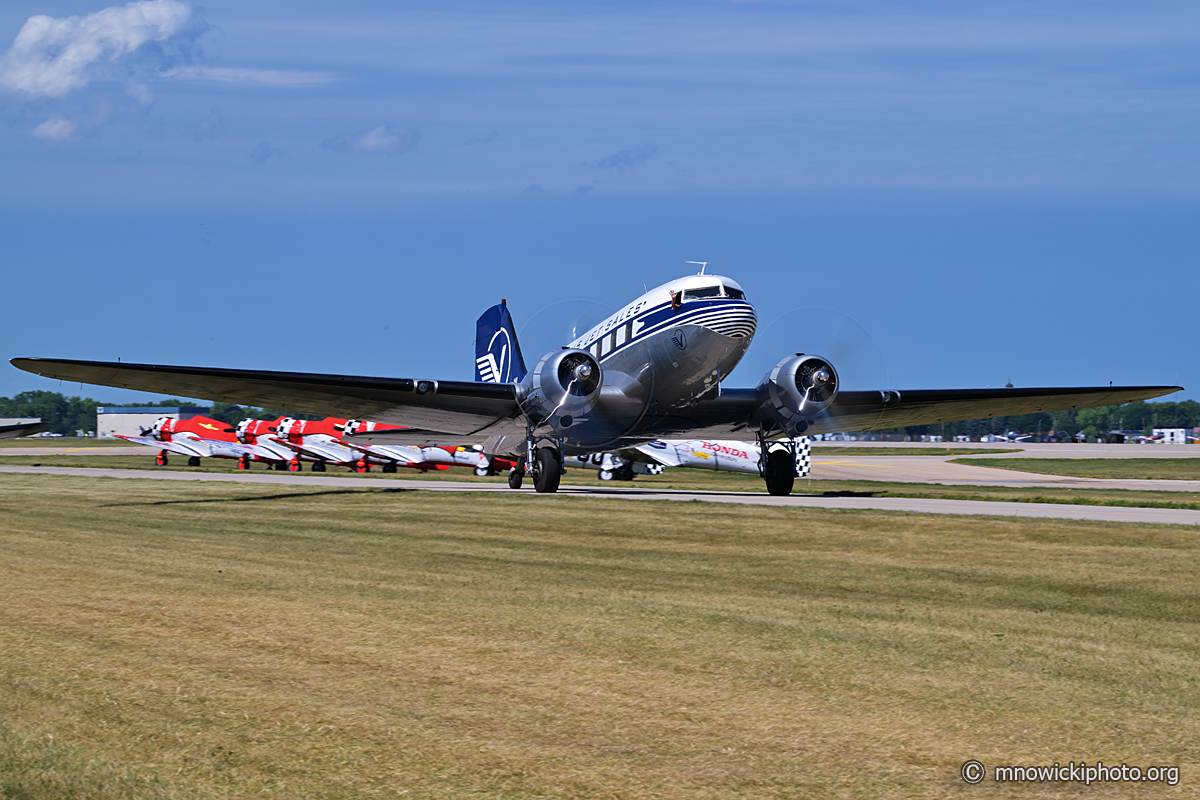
x=545 y=462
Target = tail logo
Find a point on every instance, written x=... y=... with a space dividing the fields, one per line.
x=494 y=365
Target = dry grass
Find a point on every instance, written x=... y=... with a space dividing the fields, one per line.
x=235 y=641
x=1156 y=469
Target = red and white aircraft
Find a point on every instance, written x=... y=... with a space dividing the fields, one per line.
x=197 y=437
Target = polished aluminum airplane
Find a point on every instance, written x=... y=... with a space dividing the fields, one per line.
x=653 y=370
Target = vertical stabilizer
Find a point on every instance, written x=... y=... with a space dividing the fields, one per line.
x=497 y=355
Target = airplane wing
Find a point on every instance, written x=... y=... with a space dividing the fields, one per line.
x=20 y=429
x=472 y=412
x=453 y=407
x=183 y=447
x=733 y=415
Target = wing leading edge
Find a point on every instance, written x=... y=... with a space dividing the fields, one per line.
x=453 y=407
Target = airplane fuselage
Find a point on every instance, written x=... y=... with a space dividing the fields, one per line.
x=662 y=352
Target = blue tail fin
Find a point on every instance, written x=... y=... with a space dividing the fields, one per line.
x=497 y=354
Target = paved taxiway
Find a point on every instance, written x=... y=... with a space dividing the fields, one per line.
x=915 y=505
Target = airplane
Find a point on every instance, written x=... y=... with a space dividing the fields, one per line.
x=654 y=457
x=656 y=369
x=197 y=437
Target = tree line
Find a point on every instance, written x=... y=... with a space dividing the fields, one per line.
x=1140 y=416
x=67 y=415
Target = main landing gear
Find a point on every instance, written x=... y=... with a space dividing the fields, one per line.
x=777 y=466
x=545 y=464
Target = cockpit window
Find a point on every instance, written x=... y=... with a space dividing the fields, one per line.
x=701 y=291
x=736 y=294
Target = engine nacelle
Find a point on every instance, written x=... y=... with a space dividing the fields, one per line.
x=162 y=429
x=799 y=388
x=562 y=388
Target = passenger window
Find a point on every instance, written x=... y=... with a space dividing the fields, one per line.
x=736 y=294
x=701 y=292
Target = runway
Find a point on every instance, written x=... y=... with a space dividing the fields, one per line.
x=912 y=505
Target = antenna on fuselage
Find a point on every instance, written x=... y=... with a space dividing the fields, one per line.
x=702 y=264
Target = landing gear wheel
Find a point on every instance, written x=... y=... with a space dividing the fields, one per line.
x=390 y=467
x=280 y=466
x=606 y=475
x=623 y=473
x=319 y=466
x=193 y=461
x=161 y=459
x=548 y=472
x=244 y=461
x=481 y=472
x=515 y=477
x=780 y=473
x=294 y=465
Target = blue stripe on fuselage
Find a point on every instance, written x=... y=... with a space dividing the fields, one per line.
x=662 y=317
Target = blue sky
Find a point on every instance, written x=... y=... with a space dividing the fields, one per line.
x=933 y=194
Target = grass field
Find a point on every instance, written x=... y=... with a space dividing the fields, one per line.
x=219 y=641
x=63 y=442
x=691 y=479
x=1160 y=469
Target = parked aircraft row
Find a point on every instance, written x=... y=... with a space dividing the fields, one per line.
x=288 y=443
x=657 y=369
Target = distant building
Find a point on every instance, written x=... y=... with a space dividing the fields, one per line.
x=132 y=420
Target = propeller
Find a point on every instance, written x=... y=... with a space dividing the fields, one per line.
x=844 y=339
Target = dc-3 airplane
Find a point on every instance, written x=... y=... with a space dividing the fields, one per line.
x=653 y=370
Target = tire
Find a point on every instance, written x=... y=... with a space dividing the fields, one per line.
x=623 y=473
x=193 y=461
x=606 y=475
x=318 y=466
x=481 y=472
x=390 y=468
x=280 y=466
x=549 y=471
x=515 y=478
x=295 y=466
x=161 y=459
x=780 y=473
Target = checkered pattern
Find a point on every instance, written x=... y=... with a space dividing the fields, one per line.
x=803 y=456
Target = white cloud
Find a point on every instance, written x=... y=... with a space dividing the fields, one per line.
x=259 y=77
x=52 y=56
x=55 y=129
x=383 y=139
